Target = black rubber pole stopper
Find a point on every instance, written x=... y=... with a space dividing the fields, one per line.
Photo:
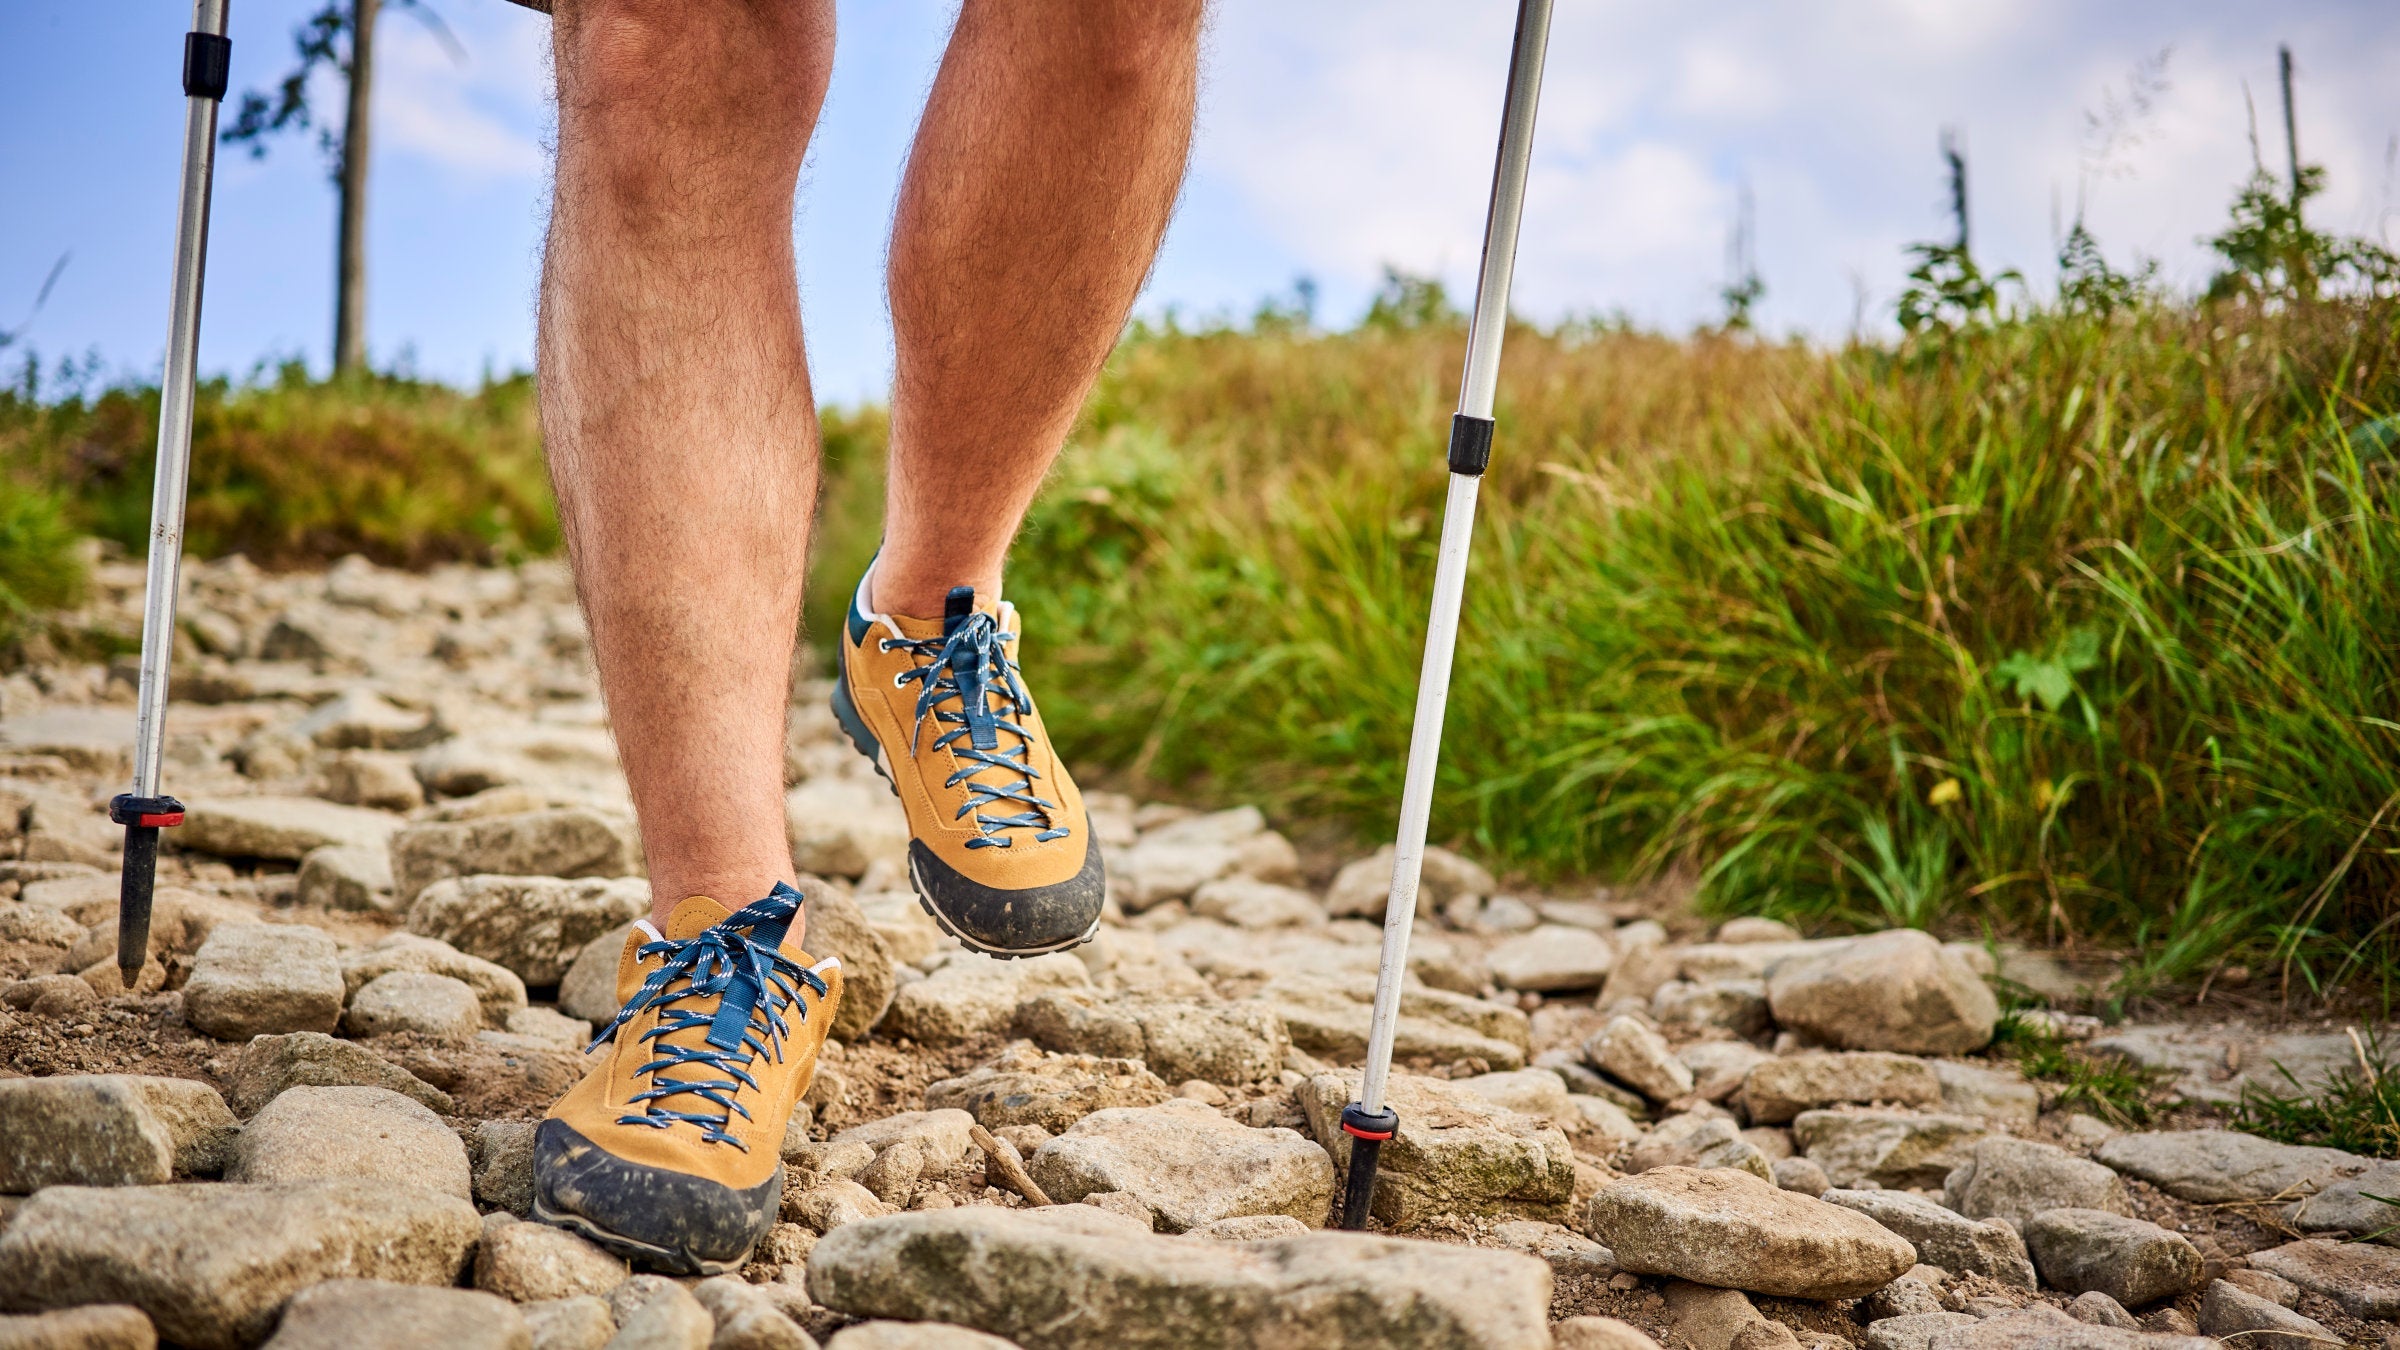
x=143 y=818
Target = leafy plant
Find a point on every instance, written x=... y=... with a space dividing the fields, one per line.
x=2088 y=285
x=2050 y=677
x=2271 y=252
x=1948 y=292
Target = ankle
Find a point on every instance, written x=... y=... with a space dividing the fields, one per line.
x=924 y=594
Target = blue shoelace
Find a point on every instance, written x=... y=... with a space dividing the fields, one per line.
x=970 y=665
x=740 y=963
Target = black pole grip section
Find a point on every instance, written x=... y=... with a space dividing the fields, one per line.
x=207 y=65
x=1470 y=444
x=133 y=901
x=1367 y=1132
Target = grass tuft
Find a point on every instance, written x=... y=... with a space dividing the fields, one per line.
x=2358 y=1112
x=2116 y=1090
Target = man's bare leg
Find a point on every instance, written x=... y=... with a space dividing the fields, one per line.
x=1040 y=184
x=676 y=406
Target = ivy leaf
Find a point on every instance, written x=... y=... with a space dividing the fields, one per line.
x=2051 y=676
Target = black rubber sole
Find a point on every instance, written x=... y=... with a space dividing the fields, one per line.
x=689 y=1224
x=845 y=714
x=643 y=1255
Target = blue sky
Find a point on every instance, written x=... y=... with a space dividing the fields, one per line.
x=1335 y=138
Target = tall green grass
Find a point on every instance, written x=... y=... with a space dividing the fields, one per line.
x=2074 y=627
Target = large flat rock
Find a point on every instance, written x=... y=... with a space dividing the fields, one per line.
x=1455 y=1153
x=2211 y=1167
x=1188 y=1165
x=1056 y=1279
x=213 y=1263
x=2364 y=1279
x=1725 y=1227
x=1328 y=1015
x=280 y=827
x=2215 y=1064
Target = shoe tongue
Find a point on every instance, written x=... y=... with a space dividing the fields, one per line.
x=957 y=604
x=693 y=917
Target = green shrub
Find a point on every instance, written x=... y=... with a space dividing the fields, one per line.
x=289 y=470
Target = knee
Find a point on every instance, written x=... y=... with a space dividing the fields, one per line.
x=724 y=66
x=1141 y=41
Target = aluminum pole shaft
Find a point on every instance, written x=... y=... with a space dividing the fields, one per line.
x=1476 y=387
x=177 y=386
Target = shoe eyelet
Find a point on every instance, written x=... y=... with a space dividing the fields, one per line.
x=883 y=644
x=900 y=681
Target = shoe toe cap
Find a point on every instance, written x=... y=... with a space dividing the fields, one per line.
x=1004 y=922
x=664 y=1218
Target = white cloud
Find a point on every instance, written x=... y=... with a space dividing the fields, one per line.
x=478 y=117
x=1363 y=135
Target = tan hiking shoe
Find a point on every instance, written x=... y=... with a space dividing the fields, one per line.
x=999 y=849
x=670 y=1151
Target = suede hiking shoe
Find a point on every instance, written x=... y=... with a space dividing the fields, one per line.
x=670 y=1151
x=999 y=849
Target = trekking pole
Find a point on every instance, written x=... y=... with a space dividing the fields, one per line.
x=207 y=60
x=1367 y=1121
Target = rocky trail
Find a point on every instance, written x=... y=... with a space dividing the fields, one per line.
x=391 y=919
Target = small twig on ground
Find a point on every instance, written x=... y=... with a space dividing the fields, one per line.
x=1003 y=1164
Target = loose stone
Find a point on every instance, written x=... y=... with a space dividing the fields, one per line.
x=1945 y=1238
x=380 y=1315
x=2132 y=1261
x=409 y=1001
x=526 y=1262
x=2015 y=1179
x=254 y=979
x=108 y=1130
x=271 y=1064
x=342 y=1133
x=1896 y=990
x=1638 y=1057
x=1780 y=1089
x=1889 y=1148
